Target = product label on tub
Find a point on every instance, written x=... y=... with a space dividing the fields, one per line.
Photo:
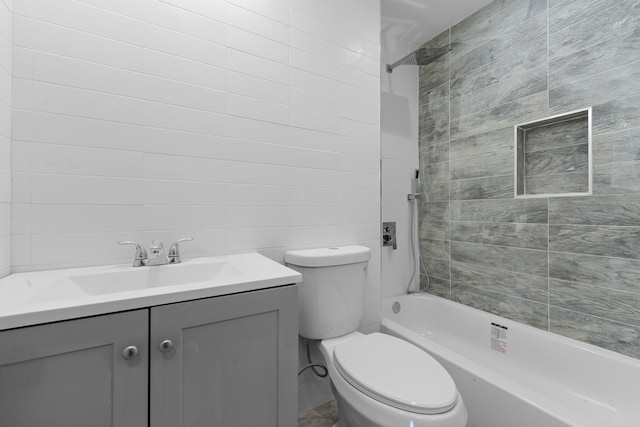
x=499 y=337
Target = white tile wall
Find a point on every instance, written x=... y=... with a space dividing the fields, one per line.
x=251 y=125
x=5 y=136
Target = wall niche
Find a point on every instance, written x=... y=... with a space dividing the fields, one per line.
x=553 y=156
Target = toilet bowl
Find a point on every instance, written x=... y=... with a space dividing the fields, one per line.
x=397 y=385
x=378 y=380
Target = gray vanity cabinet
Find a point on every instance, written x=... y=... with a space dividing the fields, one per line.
x=226 y=361
x=73 y=373
x=221 y=362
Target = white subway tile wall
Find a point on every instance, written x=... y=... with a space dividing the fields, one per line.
x=247 y=124
x=5 y=136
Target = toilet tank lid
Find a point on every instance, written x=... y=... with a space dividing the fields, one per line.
x=325 y=257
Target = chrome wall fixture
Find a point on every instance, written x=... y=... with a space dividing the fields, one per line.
x=421 y=56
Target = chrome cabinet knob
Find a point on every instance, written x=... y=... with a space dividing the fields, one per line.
x=129 y=352
x=165 y=346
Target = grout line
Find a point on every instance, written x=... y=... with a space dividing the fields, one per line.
x=596 y=317
x=449 y=164
x=510 y=295
x=488 y=176
x=586 y=284
x=498 y=246
x=547 y=64
x=561 y=147
x=492 y=269
x=495 y=107
x=548 y=269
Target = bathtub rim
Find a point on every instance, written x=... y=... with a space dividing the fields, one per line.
x=528 y=395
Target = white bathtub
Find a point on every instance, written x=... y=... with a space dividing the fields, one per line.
x=540 y=380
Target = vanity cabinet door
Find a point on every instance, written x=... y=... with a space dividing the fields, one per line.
x=73 y=374
x=231 y=361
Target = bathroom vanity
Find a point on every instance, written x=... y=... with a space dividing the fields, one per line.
x=221 y=351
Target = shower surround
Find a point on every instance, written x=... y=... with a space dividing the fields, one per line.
x=570 y=265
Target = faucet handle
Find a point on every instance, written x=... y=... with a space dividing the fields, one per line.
x=174 y=250
x=141 y=255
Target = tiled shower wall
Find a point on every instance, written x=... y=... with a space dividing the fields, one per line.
x=568 y=265
x=5 y=136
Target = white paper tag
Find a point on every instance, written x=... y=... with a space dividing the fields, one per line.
x=499 y=337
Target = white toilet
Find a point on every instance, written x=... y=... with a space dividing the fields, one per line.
x=378 y=380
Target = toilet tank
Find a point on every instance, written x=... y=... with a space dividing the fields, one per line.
x=331 y=295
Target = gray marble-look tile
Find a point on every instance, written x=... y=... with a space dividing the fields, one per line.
x=433 y=145
x=615 y=336
x=515 y=260
x=433 y=108
x=435 y=73
x=557 y=134
x=518 y=111
x=434 y=230
x=601 y=88
x=607 y=55
x=435 y=182
x=533 y=288
x=502 y=91
x=495 y=187
x=521 y=310
x=572 y=158
x=616 y=147
x=564 y=13
x=616 y=178
x=615 y=17
x=599 y=210
x=438 y=249
x=604 y=240
x=495 y=141
x=574 y=182
x=532 y=236
x=435 y=286
x=607 y=303
x=496 y=53
x=617 y=115
x=481 y=25
x=513 y=210
x=434 y=153
x=433 y=211
x=482 y=52
x=604 y=272
x=516 y=63
x=496 y=163
x=436 y=267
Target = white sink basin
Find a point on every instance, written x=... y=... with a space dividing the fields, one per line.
x=152 y=277
x=45 y=296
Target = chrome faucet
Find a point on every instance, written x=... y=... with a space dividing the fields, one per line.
x=158 y=256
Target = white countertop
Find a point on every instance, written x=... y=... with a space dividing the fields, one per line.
x=48 y=296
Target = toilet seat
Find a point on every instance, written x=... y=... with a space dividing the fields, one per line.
x=396 y=373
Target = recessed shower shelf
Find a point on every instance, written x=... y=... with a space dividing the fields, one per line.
x=553 y=156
